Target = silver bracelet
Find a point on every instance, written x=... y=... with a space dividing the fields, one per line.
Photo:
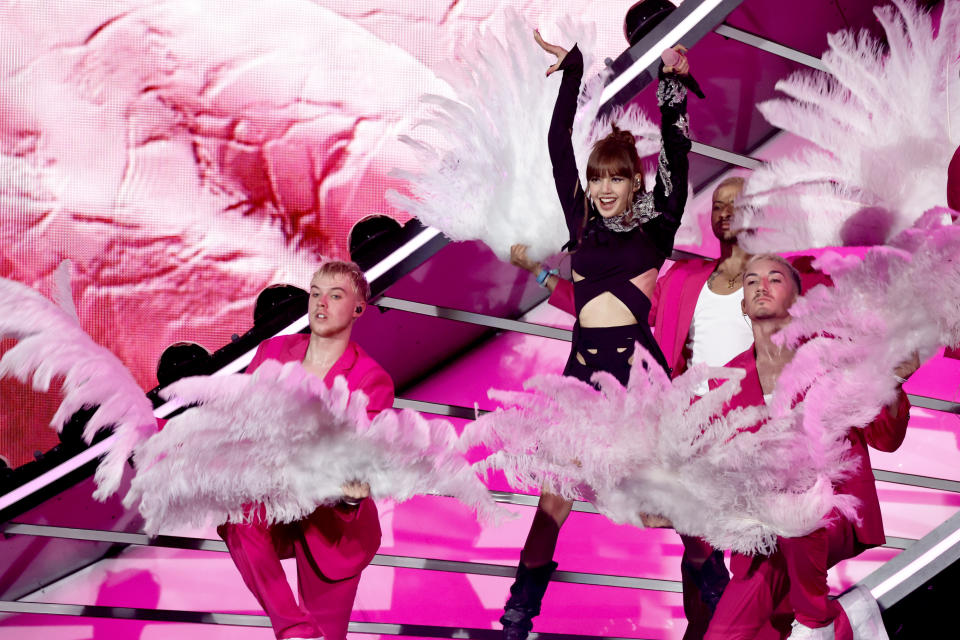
x=899 y=379
x=351 y=502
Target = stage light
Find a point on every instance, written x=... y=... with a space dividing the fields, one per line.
x=279 y=299
x=643 y=16
x=365 y=234
x=180 y=360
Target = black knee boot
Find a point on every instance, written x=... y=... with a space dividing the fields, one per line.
x=526 y=593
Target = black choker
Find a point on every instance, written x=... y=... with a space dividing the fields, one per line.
x=640 y=212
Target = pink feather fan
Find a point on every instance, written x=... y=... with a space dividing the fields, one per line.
x=51 y=343
x=281 y=438
x=898 y=300
x=649 y=448
x=882 y=126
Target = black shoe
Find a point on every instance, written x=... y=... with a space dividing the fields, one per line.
x=711 y=578
x=526 y=594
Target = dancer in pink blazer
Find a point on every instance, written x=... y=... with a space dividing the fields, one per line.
x=333 y=544
x=767 y=591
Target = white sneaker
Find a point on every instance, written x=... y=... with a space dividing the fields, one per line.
x=803 y=632
x=864 y=614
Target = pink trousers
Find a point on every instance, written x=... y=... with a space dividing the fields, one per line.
x=766 y=592
x=325 y=605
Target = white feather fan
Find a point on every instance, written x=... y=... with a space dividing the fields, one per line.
x=52 y=344
x=884 y=124
x=489 y=176
x=281 y=438
x=646 y=448
x=897 y=300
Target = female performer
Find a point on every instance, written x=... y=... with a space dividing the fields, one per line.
x=620 y=236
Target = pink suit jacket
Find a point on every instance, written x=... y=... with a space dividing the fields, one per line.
x=341 y=540
x=675 y=300
x=672 y=305
x=885 y=433
x=361 y=371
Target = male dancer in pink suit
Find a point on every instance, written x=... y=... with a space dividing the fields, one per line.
x=333 y=544
x=696 y=317
x=795 y=576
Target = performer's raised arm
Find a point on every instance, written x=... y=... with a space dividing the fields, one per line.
x=565 y=173
x=670 y=190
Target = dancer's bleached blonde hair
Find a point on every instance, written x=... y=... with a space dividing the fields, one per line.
x=773 y=257
x=346 y=268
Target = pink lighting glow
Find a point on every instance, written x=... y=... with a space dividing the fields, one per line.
x=187 y=153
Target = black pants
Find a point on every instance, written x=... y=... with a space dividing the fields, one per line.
x=610 y=349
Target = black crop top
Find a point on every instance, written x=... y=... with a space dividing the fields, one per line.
x=606 y=258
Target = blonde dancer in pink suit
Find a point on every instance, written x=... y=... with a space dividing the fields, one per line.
x=333 y=544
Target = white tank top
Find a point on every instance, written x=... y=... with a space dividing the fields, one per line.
x=719 y=330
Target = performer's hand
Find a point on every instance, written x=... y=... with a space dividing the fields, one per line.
x=356 y=490
x=653 y=521
x=682 y=66
x=518 y=258
x=556 y=50
x=907 y=368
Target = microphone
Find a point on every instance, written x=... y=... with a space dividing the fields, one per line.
x=671 y=57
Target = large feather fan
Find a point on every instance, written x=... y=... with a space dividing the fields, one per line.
x=486 y=171
x=897 y=300
x=884 y=123
x=489 y=177
x=281 y=438
x=52 y=344
x=648 y=448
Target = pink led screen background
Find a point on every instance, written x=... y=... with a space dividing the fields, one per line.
x=185 y=154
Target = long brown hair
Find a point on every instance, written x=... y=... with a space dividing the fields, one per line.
x=614 y=155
